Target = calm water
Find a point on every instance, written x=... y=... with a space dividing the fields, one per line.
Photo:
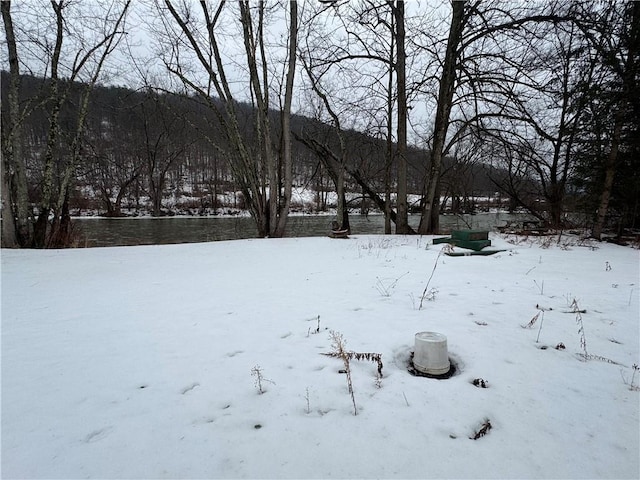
x=106 y=232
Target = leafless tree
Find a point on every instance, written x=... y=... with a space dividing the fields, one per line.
x=612 y=31
x=17 y=228
x=163 y=143
x=334 y=159
x=538 y=131
x=194 y=56
x=479 y=79
x=82 y=40
x=359 y=48
x=429 y=220
x=113 y=160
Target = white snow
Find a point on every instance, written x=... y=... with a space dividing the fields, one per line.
x=135 y=362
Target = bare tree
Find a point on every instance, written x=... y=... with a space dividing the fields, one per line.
x=94 y=36
x=361 y=46
x=429 y=220
x=334 y=162
x=480 y=78
x=163 y=143
x=398 y=34
x=613 y=32
x=113 y=160
x=17 y=227
x=538 y=132
x=194 y=43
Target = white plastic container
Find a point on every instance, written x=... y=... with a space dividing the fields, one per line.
x=431 y=355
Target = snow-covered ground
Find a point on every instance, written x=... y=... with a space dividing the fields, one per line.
x=186 y=202
x=136 y=362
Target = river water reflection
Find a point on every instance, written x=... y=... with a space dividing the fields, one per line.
x=108 y=232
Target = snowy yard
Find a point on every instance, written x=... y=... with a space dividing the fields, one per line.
x=136 y=362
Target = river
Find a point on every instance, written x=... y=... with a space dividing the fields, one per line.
x=109 y=232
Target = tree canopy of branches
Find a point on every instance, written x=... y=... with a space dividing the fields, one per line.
x=72 y=43
x=404 y=103
x=193 y=53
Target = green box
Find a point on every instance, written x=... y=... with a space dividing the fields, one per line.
x=441 y=240
x=470 y=235
x=476 y=245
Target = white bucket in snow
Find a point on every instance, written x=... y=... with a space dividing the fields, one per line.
x=431 y=355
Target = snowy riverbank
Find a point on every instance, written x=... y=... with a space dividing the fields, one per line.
x=135 y=362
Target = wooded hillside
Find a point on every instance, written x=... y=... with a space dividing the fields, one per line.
x=150 y=153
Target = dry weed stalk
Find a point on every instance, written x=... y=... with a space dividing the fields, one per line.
x=632 y=384
x=257 y=372
x=338 y=344
x=317 y=329
x=385 y=288
x=446 y=248
x=372 y=357
x=583 y=340
x=307 y=397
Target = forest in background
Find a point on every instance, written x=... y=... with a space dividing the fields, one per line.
x=413 y=110
x=143 y=154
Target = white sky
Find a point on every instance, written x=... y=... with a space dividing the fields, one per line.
x=138 y=58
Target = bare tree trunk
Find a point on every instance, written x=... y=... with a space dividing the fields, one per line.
x=342 y=213
x=389 y=163
x=402 y=219
x=9 y=236
x=287 y=160
x=628 y=75
x=156 y=188
x=17 y=227
x=40 y=232
x=273 y=213
x=336 y=169
x=610 y=172
x=269 y=209
x=429 y=220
